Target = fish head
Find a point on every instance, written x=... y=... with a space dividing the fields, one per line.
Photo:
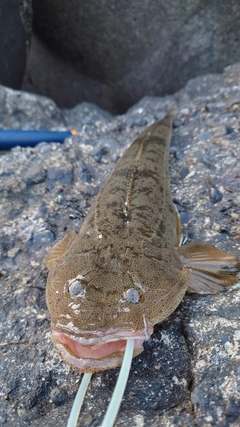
x=98 y=301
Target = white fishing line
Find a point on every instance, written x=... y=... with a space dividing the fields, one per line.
x=74 y=414
x=115 y=402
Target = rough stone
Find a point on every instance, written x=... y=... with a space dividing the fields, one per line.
x=188 y=374
x=23 y=110
x=15 y=36
x=114 y=53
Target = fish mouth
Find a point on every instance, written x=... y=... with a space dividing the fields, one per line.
x=99 y=351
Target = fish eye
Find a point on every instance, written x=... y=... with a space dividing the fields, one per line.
x=76 y=289
x=132 y=296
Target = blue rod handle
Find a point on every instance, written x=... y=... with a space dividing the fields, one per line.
x=30 y=138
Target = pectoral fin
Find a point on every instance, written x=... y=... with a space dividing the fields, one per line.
x=60 y=248
x=211 y=269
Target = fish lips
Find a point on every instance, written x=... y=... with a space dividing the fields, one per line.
x=99 y=351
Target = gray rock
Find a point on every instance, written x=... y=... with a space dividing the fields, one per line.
x=43 y=236
x=35 y=174
x=114 y=53
x=59 y=175
x=85 y=114
x=22 y=110
x=188 y=373
x=15 y=35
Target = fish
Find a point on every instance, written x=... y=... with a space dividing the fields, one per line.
x=126 y=269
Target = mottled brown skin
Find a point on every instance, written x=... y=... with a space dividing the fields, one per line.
x=125 y=261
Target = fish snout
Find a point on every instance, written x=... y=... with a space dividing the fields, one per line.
x=95 y=351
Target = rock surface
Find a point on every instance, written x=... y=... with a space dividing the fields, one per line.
x=15 y=34
x=188 y=374
x=114 y=53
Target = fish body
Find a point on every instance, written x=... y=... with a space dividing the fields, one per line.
x=124 y=271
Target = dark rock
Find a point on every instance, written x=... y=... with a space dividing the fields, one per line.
x=59 y=396
x=113 y=54
x=183 y=173
x=229 y=129
x=155 y=405
x=188 y=373
x=98 y=154
x=85 y=173
x=15 y=35
x=215 y=195
x=179 y=155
